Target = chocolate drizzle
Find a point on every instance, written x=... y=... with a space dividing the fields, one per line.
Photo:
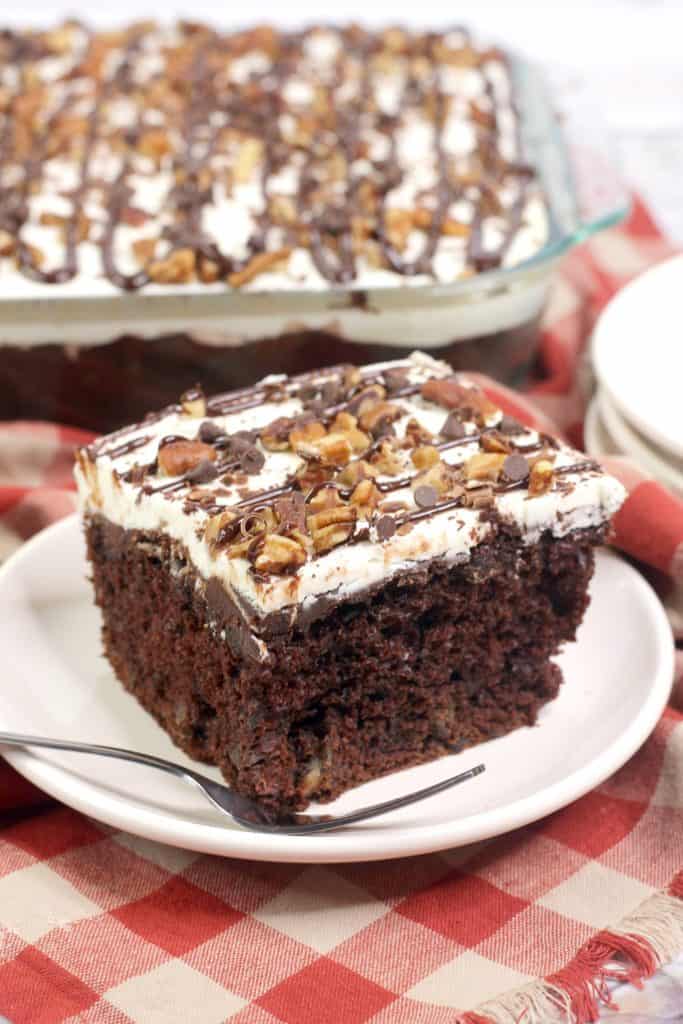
x=343 y=194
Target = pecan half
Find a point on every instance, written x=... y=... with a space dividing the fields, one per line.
x=279 y=555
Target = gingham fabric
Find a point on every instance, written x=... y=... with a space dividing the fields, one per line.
x=101 y=927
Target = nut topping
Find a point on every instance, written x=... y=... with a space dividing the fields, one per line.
x=378 y=416
x=279 y=554
x=450 y=394
x=178 y=268
x=540 y=478
x=484 y=466
x=332 y=527
x=179 y=457
x=425 y=457
x=193 y=403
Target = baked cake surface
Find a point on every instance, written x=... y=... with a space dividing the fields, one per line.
x=159 y=156
x=322 y=578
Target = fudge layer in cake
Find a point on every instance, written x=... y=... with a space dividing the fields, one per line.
x=324 y=578
x=337 y=168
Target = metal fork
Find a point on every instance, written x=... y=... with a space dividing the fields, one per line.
x=248 y=813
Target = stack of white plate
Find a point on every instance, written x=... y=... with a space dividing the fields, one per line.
x=638 y=360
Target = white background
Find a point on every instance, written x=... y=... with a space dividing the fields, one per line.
x=629 y=52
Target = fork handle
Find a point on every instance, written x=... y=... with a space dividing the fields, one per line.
x=15 y=739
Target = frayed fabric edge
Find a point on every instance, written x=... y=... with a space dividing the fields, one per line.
x=646 y=939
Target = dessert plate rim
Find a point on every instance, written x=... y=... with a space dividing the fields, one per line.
x=638 y=386
x=654 y=461
x=45 y=574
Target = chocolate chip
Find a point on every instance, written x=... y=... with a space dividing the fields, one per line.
x=452 y=428
x=209 y=432
x=515 y=468
x=509 y=425
x=386 y=527
x=252 y=460
x=202 y=473
x=426 y=496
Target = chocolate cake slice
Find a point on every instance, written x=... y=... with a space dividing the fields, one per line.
x=324 y=578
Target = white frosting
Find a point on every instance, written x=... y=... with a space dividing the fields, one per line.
x=577 y=500
x=230 y=219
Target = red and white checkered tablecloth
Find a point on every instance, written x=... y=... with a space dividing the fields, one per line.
x=101 y=927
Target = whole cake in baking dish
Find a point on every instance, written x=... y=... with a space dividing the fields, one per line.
x=324 y=578
x=259 y=159
x=157 y=180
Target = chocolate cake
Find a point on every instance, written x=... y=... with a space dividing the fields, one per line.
x=167 y=161
x=323 y=578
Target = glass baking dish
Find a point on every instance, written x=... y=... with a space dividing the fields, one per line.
x=98 y=358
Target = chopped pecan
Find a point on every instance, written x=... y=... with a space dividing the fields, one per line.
x=219 y=527
x=494 y=443
x=326 y=497
x=438 y=476
x=425 y=456
x=386 y=460
x=176 y=268
x=365 y=498
x=540 y=477
x=7 y=243
x=275 y=436
x=313 y=474
x=355 y=471
x=279 y=555
x=304 y=435
x=144 y=250
x=365 y=399
x=258 y=265
x=332 y=527
x=346 y=424
x=178 y=457
x=484 y=466
x=399 y=224
x=352 y=378
x=155 y=144
x=378 y=416
x=334 y=450
x=283 y=210
x=416 y=434
x=208 y=271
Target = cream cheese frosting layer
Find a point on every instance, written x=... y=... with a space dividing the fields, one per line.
x=430 y=478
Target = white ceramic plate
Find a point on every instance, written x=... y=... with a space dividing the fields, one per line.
x=653 y=460
x=638 y=353
x=598 y=440
x=56 y=682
